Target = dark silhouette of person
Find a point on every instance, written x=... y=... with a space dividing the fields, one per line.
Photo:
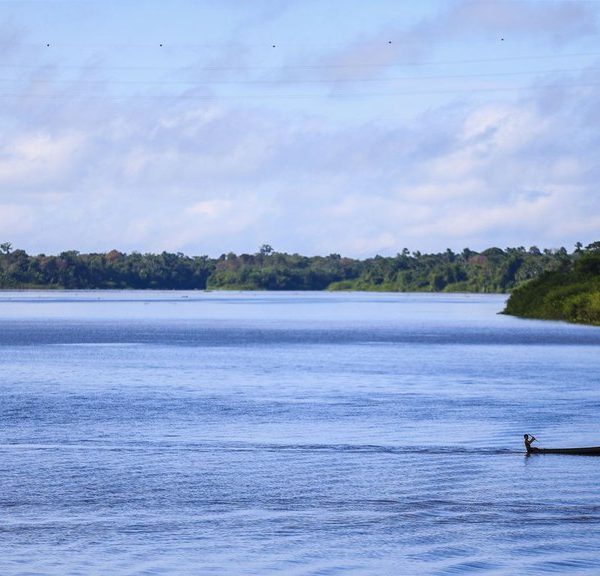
x=528 y=441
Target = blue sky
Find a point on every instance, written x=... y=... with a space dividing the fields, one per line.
x=315 y=126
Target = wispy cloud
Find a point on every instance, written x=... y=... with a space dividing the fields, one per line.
x=465 y=21
x=550 y=21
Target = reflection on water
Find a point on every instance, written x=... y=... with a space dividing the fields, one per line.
x=247 y=433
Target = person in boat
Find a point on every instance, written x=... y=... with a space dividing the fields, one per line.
x=528 y=441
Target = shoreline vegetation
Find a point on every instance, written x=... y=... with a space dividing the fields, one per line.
x=494 y=270
x=570 y=293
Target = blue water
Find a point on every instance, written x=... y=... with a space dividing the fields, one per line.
x=293 y=433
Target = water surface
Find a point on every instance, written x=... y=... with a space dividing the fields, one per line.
x=293 y=433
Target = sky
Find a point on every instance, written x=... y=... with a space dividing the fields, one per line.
x=315 y=126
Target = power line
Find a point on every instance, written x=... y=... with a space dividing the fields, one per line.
x=363 y=66
x=216 y=97
x=211 y=82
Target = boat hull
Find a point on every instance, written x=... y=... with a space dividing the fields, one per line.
x=588 y=451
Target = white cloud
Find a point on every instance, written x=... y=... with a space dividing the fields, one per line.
x=15 y=219
x=211 y=209
x=36 y=158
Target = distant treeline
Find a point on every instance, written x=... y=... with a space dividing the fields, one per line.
x=571 y=293
x=493 y=270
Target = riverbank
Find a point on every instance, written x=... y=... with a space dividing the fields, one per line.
x=571 y=294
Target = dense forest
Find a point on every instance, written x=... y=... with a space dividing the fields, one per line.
x=492 y=270
x=571 y=293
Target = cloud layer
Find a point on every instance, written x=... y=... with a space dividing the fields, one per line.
x=93 y=172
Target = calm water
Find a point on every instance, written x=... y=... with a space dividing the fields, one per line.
x=248 y=433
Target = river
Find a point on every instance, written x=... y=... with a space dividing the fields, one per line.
x=293 y=433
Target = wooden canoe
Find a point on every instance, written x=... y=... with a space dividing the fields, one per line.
x=588 y=451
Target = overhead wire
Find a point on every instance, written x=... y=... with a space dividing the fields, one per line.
x=220 y=97
x=363 y=66
x=332 y=81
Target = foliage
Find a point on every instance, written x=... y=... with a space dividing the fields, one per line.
x=111 y=270
x=270 y=270
x=571 y=293
x=493 y=270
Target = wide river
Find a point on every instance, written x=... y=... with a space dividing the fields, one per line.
x=293 y=433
